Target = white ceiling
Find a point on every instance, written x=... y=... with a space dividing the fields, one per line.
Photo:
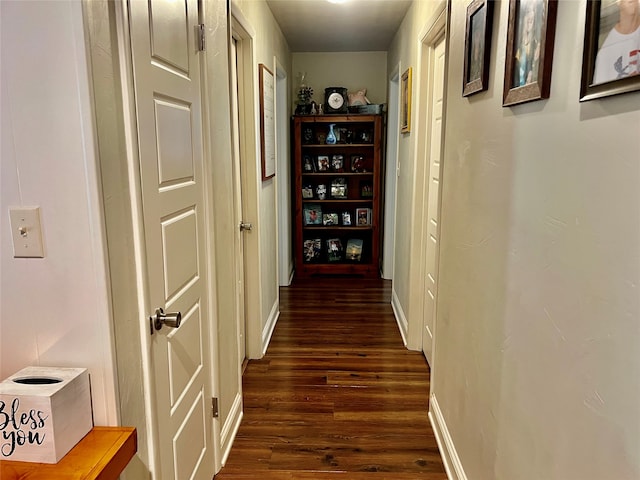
x=352 y=26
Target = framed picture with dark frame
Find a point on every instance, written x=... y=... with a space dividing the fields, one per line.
x=610 y=65
x=529 y=56
x=405 y=105
x=477 y=47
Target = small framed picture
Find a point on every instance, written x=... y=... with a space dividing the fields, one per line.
x=366 y=190
x=307 y=191
x=339 y=188
x=529 y=55
x=334 y=250
x=357 y=164
x=307 y=164
x=337 y=163
x=610 y=62
x=312 y=250
x=477 y=47
x=312 y=214
x=405 y=103
x=323 y=163
x=346 y=219
x=329 y=219
x=363 y=216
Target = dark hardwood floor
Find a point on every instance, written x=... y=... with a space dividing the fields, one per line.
x=337 y=396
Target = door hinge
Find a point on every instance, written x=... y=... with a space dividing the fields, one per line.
x=214 y=407
x=201 y=32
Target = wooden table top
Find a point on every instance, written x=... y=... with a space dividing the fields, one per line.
x=101 y=455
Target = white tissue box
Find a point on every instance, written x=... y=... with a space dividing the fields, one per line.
x=44 y=413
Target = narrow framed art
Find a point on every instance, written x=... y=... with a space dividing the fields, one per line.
x=477 y=46
x=611 y=55
x=529 y=56
x=267 y=123
x=405 y=102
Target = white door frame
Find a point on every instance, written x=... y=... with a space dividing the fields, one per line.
x=251 y=177
x=285 y=251
x=392 y=170
x=433 y=32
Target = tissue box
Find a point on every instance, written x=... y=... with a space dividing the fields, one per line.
x=44 y=413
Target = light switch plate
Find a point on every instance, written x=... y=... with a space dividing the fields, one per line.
x=26 y=232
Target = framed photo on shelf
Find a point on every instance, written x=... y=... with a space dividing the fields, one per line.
x=405 y=102
x=609 y=66
x=312 y=214
x=353 y=252
x=357 y=164
x=307 y=164
x=363 y=216
x=334 y=250
x=366 y=190
x=312 y=250
x=337 y=163
x=477 y=47
x=346 y=219
x=329 y=219
x=322 y=163
x=307 y=192
x=339 y=188
x=529 y=56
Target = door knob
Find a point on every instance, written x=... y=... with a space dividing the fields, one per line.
x=245 y=226
x=160 y=318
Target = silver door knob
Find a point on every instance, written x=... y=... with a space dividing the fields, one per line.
x=245 y=226
x=169 y=319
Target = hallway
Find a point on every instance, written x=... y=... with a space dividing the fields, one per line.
x=337 y=395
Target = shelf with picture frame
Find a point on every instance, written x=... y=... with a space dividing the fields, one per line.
x=341 y=180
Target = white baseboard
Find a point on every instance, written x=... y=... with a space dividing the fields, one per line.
x=401 y=319
x=448 y=452
x=267 y=332
x=230 y=428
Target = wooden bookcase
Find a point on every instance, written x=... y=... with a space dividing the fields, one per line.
x=329 y=229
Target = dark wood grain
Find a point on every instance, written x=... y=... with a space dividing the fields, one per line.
x=337 y=395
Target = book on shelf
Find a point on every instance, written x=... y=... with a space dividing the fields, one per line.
x=334 y=250
x=312 y=250
x=353 y=251
x=312 y=214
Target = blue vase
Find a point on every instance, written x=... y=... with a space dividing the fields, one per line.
x=331 y=137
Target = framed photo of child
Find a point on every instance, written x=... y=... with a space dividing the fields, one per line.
x=611 y=54
x=529 y=55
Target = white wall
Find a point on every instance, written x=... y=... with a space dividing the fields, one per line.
x=536 y=370
x=353 y=70
x=55 y=310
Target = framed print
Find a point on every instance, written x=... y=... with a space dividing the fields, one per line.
x=405 y=102
x=477 y=47
x=611 y=55
x=267 y=123
x=529 y=57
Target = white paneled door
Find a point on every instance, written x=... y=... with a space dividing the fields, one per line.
x=166 y=68
x=433 y=205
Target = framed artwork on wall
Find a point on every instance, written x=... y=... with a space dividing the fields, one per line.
x=267 y=123
x=477 y=47
x=529 y=55
x=611 y=55
x=405 y=102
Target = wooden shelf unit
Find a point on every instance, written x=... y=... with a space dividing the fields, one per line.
x=359 y=148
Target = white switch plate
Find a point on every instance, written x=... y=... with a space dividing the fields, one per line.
x=26 y=232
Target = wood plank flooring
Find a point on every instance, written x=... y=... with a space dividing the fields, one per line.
x=337 y=396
